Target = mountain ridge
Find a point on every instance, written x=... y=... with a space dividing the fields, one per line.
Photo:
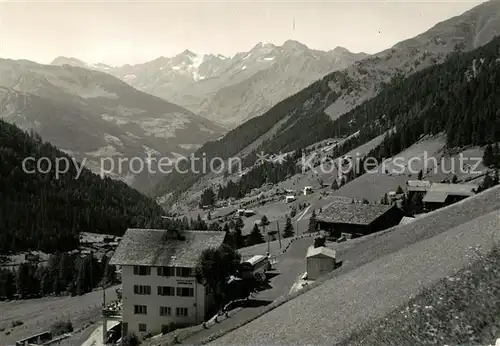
x=331 y=97
x=93 y=115
x=206 y=83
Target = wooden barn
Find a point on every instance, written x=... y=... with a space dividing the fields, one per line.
x=357 y=219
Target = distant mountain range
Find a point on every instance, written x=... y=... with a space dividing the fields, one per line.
x=91 y=115
x=229 y=90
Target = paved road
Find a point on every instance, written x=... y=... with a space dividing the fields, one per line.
x=303 y=213
x=379 y=273
x=290 y=266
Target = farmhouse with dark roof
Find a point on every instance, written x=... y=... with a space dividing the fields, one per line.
x=358 y=219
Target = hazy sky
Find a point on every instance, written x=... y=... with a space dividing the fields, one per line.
x=130 y=32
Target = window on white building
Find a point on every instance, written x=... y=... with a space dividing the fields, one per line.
x=185 y=291
x=142 y=270
x=181 y=312
x=166 y=291
x=142 y=327
x=142 y=289
x=166 y=271
x=165 y=311
x=184 y=272
x=140 y=309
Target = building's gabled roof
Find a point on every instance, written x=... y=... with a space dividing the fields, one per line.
x=353 y=213
x=439 y=192
x=154 y=247
x=320 y=252
x=454 y=189
x=435 y=197
x=418 y=185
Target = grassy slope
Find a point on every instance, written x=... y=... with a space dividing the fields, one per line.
x=461 y=309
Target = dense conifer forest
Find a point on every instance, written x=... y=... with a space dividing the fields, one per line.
x=40 y=212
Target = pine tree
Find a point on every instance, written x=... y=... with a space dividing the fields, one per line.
x=488 y=156
x=264 y=221
x=109 y=276
x=496 y=156
x=26 y=284
x=288 y=231
x=255 y=237
x=416 y=203
x=335 y=185
x=488 y=182
x=239 y=223
x=65 y=272
x=7 y=283
x=207 y=197
x=81 y=277
x=319 y=241
x=385 y=199
x=496 y=179
x=342 y=182
x=239 y=240
x=313 y=224
x=215 y=226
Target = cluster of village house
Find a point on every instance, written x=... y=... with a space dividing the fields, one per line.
x=159 y=287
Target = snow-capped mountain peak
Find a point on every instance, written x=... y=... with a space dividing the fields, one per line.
x=187 y=63
x=292 y=44
x=231 y=89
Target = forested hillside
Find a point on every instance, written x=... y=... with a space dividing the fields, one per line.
x=458 y=97
x=38 y=211
x=448 y=97
x=300 y=111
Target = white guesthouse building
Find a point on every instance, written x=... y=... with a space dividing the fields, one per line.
x=159 y=287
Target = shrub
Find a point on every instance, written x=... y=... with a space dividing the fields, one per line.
x=130 y=340
x=17 y=323
x=61 y=327
x=319 y=241
x=168 y=328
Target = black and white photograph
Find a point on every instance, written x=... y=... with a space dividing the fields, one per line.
x=237 y=172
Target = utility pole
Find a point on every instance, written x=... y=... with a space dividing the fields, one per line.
x=103 y=295
x=268 y=241
x=279 y=234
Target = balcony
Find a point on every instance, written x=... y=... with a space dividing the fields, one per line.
x=113 y=310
